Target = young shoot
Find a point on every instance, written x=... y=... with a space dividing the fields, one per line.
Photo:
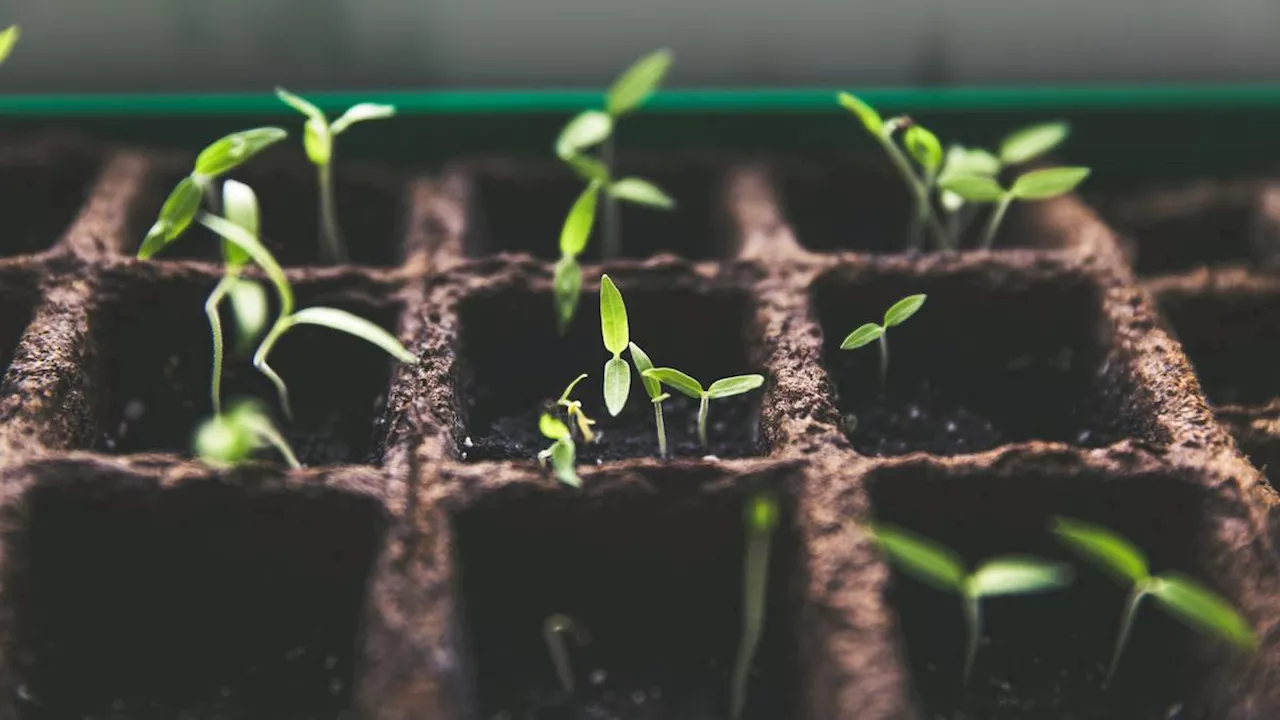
x=1182 y=597
x=567 y=283
x=941 y=568
x=562 y=453
x=761 y=518
x=895 y=315
x=722 y=388
x=573 y=408
x=554 y=630
x=1034 y=185
x=613 y=328
x=233 y=437
x=653 y=389
x=8 y=38
x=317 y=137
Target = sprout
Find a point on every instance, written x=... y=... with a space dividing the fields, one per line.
x=1034 y=185
x=1183 y=597
x=761 y=517
x=554 y=628
x=654 y=389
x=317 y=138
x=895 y=315
x=723 y=388
x=232 y=437
x=562 y=451
x=8 y=38
x=613 y=328
x=573 y=408
x=941 y=568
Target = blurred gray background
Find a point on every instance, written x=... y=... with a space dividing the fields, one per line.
x=210 y=45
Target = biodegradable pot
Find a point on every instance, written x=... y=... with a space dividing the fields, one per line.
x=408 y=573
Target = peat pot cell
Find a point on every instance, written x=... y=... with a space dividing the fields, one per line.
x=657 y=584
x=523 y=211
x=371 y=214
x=1044 y=655
x=516 y=364
x=202 y=601
x=980 y=365
x=42 y=189
x=16 y=301
x=156 y=355
x=1232 y=337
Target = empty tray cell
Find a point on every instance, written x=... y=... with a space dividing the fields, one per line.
x=18 y=298
x=1045 y=655
x=202 y=601
x=988 y=360
x=155 y=367
x=656 y=581
x=522 y=208
x=43 y=185
x=516 y=364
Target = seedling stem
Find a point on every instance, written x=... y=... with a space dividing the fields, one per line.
x=993 y=223
x=761 y=516
x=553 y=631
x=685 y=385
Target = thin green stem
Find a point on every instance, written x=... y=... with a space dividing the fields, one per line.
x=1126 y=624
x=993 y=225
x=215 y=327
x=273 y=437
x=973 y=619
x=702 y=420
x=662 y=429
x=333 y=249
x=884 y=358
x=260 y=361
x=612 y=218
x=923 y=208
x=755 y=581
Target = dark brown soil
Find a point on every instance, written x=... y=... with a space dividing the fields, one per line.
x=16 y=298
x=43 y=185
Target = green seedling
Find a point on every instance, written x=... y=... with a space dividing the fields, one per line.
x=613 y=328
x=653 y=389
x=233 y=437
x=941 y=568
x=317 y=137
x=1034 y=185
x=722 y=388
x=563 y=452
x=895 y=315
x=761 y=518
x=8 y=38
x=1182 y=597
x=573 y=408
x=554 y=630
x=567 y=283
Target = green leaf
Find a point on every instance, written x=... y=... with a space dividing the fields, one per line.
x=676 y=380
x=261 y=256
x=613 y=317
x=585 y=130
x=562 y=461
x=230 y=152
x=1033 y=141
x=864 y=335
x=1103 y=547
x=974 y=188
x=924 y=147
x=736 y=385
x=903 y=309
x=589 y=168
x=1203 y=609
x=240 y=206
x=362 y=112
x=578 y=223
x=871 y=119
x=566 y=286
x=8 y=38
x=617 y=385
x=343 y=321
x=249 y=306
x=1047 y=183
x=642 y=362
x=641 y=192
x=176 y=214
x=298 y=103
x=634 y=86
x=221 y=441
x=1017 y=576
x=317 y=141
x=969 y=161
x=920 y=557
x=552 y=427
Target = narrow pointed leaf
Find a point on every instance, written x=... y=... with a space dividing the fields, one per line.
x=871 y=119
x=634 y=86
x=676 y=380
x=179 y=209
x=578 y=223
x=1047 y=183
x=736 y=385
x=566 y=286
x=552 y=427
x=642 y=362
x=562 y=462
x=1033 y=141
x=231 y=151
x=587 y=129
x=974 y=188
x=903 y=309
x=343 y=321
x=302 y=105
x=1018 y=576
x=969 y=161
x=240 y=206
x=613 y=317
x=362 y=112
x=864 y=335
x=1202 y=609
x=1104 y=548
x=924 y=148
x=617 y=385
x=249 y=306
x=8 y=38
x=261 y=256
x=920 y=557
x=641 y=192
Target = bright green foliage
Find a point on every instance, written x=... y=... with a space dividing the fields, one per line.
x=562 y=452
x=637 y=83
x=653 y=389
x=941 y=568
x=870 y=332
x=573 y=408
x=1029 y=143
x=554 y=628
x=8 y=38
x=1034 y=185
x=1181 y=596
x=760 y=516
x=613 y=328
x=685 y=385
x=317 y=139
x=233 y=437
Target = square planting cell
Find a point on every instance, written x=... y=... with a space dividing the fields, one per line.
x=202 y=601
x=656 y=580
x=43 y=186
x=522 y=208
x=16 y=308
x=1045 y=655
x=986 y=361
x=155 y=355
x=516 y=364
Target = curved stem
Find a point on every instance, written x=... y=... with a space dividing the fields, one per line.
x=993 y=225
x=973 y=619
x=260 y=362
x=273 y=437
x=702 y=421
x=1126 y=624
x=919 y=191
x=553 y=630
x=662 y=429
x=215 y=327
x=333 y=249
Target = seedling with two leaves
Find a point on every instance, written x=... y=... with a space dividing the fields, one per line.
x=563 y=451
x=722 y=388
x=1034 y=185
x=870 y=332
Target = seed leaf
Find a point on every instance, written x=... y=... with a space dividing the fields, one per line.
x=562 y=460
x=642 y=362
x=343 y=321
x=261 y=256
x=229 y=152
x=1047 y=183
x=634 y=86
x=220 y=441
x=577 y=225
x=736 y=385
x=1103 y=547
x=8 y=38
x=240 y=205
x=567 y=286
x=585 y=130
x=974 y=188
x=969 y=161
x=676 y=380
x=1203 y=609
x=641 y=192
x=589 y=168
x=302 y=105
x=920 y=557
x=317 y=141
x=924 y=147
x=868 y=333
x=871 y=119
x=1014 y=575
x=617 y=385
x=613 y=318
x=362 y=112
x=249 y=306
x=552 y=427
x=1033 y=141
x=176 y=214
x=903 y=309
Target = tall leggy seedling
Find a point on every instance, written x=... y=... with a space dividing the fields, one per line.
x=722 y=388
x=761 y=518
x=1183 y=597
x=318 y=136
x=1033 y=185
x=895 y=315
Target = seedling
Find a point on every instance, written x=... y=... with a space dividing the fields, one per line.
x=654 y=390
x=722 y=388
x=554 y=628
x=567 y=284
x=895 y=315
x=562 y=452
x=317 y=137
x=8 y=38
x=1182 y=597
x=761 y=518
x=232 y=437
x=613 y=328
x=1033 y=185
x=940 y=567
x=573 y=408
